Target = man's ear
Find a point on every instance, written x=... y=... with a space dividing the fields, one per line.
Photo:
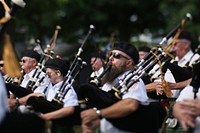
x=129 y=63
x=58 y=73
x=35 y=63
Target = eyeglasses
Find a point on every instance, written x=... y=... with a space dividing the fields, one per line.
x=23 y=61
x=118 y=56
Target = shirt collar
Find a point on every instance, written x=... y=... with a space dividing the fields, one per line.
x=186 y=57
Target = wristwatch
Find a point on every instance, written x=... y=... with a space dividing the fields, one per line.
x=98 y=113
x=17 y=102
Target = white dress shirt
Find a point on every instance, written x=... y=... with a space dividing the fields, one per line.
x=41 y=87
x=70 y=98
x=187 y=58
x=137 y=92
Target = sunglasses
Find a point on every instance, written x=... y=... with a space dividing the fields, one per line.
x=118 y=56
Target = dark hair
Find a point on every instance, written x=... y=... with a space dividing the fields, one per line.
x=144 y=48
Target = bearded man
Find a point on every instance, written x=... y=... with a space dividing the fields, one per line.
x=104 y=110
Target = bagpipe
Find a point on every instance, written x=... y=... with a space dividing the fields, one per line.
x=147 y=118
x=90 y=96
x=40 y=104
x=38 y=75
x=193 y=72
x=195 y=83
x=185 y=72
x=13 y=80
x=36 y=80
x=179 y=73
x=140 y=121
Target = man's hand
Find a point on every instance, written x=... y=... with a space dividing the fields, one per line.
x=90 y=120
x=12 y=105
x=186 y=113
x=155 y=86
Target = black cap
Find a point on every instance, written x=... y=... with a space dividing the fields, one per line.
x=185 y=35
x=32 y=54
x=128 y=49
x=58 y=64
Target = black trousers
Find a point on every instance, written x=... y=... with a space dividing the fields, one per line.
x=22 y=123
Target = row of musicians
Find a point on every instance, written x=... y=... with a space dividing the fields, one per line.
x=55 y=69
x=123 y=58
x=178 y=79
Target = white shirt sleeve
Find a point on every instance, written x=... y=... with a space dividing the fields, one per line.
x=138 y=92
x=70 y=98
x=187 y=93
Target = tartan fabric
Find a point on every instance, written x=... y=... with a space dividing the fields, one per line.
x=177 y=129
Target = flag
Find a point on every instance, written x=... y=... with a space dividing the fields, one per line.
x=11 y=64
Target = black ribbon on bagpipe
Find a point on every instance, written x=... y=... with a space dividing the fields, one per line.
x=40 y=104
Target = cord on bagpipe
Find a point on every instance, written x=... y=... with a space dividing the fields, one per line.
x=40 y=104
x=175 y=69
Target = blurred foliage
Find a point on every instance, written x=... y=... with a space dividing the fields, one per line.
x=125 y=18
